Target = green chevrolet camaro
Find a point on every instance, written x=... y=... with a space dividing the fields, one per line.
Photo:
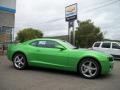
x=58 y=54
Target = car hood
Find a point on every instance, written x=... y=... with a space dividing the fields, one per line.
x=90 y=52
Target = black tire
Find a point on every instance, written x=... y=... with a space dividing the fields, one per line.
x=87 y=70
x=19 y=61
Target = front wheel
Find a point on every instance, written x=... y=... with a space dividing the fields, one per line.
x=19 y=61
x=89 y=68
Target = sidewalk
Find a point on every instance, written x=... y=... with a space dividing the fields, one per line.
x=2 y=57
x=2 y=53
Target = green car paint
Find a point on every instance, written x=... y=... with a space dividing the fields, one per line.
x=67 y=58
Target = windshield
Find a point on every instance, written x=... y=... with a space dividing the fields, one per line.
x=70 y=45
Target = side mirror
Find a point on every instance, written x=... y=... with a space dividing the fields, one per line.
x=60 y=47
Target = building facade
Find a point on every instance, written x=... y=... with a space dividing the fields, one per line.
x=7 y=20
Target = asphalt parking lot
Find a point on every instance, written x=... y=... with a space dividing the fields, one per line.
x=46 y=79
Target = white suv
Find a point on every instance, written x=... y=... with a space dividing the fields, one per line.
x=112 y=48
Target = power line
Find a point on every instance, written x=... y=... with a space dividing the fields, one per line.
x=102 y=6
x=113 y=28
x=97 y=5
x=89 y=10
x=118 y=26
x=53 y=20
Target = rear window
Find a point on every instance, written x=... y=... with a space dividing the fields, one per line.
x=105 y=45
x=115 y=46
x=97 y=45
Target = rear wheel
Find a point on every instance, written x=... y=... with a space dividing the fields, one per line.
x=19 y=61
x=89 y=68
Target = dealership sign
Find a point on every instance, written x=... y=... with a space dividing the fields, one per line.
x=71 y=12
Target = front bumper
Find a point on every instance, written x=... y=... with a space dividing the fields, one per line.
x=107 y=66
x=111 y=65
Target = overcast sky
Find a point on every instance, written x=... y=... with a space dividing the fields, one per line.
x=48 y=15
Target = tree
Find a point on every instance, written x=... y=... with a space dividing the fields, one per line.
x=87 y=33
x=28 y=34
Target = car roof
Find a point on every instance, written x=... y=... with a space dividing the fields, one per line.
x=41 y=39
x=106 y=42
x=46 y=39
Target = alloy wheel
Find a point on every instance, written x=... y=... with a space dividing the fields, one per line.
x=19 y=61
x=89 y=68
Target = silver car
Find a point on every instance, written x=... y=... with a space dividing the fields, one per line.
x=108 y=47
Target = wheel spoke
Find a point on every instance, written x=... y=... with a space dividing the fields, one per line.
x=16 y=61
x=90 y=73
x=17 y=58
x=85 y=66
x=21 y=63
x=93 y=68
x=90 y=64
x=85 y=71
x=21 y=59
x=19 y=66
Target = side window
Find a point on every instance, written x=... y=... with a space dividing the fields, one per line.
x=39 y=43
x=115 y=46
x=105 y=45
x=97 y=45
x=51 y=44
x=34 y=43
x=45 y=44
x=42 y=43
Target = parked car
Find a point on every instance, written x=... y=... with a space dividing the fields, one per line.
x=58 y=54
x=112 y=48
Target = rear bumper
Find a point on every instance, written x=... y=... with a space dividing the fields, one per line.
x=9 y=56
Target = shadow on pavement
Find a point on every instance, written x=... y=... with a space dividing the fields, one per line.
x=60 y=72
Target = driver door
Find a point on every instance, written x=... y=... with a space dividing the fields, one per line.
x=46 y=54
